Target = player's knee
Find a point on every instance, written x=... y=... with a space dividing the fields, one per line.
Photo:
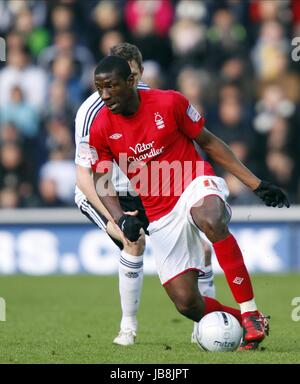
x=212 y=222
x=137 y=248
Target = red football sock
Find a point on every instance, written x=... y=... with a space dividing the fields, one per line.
x=231 y=261
x=212 y=305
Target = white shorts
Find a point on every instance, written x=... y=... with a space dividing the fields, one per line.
x=175 y=238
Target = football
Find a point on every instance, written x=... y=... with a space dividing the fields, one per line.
x=218 y=332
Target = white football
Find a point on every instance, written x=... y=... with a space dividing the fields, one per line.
x=218 y=332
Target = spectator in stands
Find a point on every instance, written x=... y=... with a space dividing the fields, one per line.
x=58 y=135
x=58 y=106
x=236 y=70
x=65 y=44
x=35 y=37
x=191 y=10
x=108 y=40
x=9 y=11
x=152 y=74
x=57 y=179
x=31 y=79
x=282 y=170
x=105 y=22
x=187 y=38
x=15 y=174
x=272 y=104
x=194 y=84
x=225 y=36
x=63 y=70
x=62 y=18
x=9 y=132
x=14 y=41
x=270 y=52
x=9 y=198
x=20 y=113
x=143 y=18
x=232 y=126
x=149 y=23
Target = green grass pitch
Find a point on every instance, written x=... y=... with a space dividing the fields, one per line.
x=73 y=319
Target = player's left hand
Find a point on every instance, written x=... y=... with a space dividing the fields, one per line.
x=130 y=226
x=271 y=195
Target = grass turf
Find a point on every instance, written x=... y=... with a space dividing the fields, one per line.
x=73 y=319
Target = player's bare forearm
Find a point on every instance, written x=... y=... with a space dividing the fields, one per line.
x=107 y=194
x=219 y=152
x=85 y=183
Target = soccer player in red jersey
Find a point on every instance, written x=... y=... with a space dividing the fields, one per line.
x=149 y=134
x=131 y=258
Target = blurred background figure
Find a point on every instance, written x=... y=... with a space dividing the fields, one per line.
x=19 y=112
x=21 y=71
x=57 y=179
x=230 y=58
x=270 y=53
x=16 y=177
x=152 y=74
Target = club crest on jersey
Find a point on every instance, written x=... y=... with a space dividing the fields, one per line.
x=87 y=152
x=115 y=136
x=159 y=121
x=193 y=114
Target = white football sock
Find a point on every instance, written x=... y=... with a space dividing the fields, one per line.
x=248 y=306
x=206 y=285
x=206 y=282
x=130 y=286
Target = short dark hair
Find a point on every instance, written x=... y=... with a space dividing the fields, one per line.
x=114 y=64
x=128 y=52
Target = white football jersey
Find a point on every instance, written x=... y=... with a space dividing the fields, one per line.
x=83 y=121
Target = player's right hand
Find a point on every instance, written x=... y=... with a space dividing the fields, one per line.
x=271 y=195
x=130 y=226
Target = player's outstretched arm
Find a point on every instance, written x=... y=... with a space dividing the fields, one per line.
x=220 y=152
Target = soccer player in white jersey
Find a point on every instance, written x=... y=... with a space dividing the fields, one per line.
x=131 y=260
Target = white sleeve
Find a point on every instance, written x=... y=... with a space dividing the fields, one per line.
x=82 y=154
x=83 y=121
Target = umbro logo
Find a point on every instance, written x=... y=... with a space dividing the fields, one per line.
x=115 y=136
x=238 y=280
x=132 y=275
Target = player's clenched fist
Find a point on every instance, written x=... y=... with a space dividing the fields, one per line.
x=271 y=195
x=130 y=226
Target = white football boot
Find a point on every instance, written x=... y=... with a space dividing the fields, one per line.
x=193 y=337
x=125 y=337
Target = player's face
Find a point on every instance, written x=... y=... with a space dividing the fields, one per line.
x=136 y=71
x=114 y=91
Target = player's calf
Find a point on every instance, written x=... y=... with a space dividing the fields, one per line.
x=191 y=308
x=183 y=291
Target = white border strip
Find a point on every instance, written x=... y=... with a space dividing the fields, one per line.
x=74 y=216
x=42 y=216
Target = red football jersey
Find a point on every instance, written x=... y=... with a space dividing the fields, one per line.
x=153 y=147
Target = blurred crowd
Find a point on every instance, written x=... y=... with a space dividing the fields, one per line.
x=231 y=58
